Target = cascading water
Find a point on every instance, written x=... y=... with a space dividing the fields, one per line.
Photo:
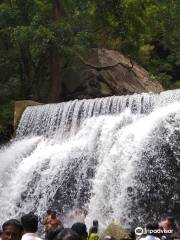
x=117 y=156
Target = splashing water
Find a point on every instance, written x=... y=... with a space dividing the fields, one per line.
x=118 y=157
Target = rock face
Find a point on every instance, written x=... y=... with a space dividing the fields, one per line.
x=103 y=72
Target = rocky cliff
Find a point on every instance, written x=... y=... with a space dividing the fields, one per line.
x=102 y=72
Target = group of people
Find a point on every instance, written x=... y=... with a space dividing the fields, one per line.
x=27 y=229
x=167 y=229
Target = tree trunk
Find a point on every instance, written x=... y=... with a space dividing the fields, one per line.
x=55 y=61
x=56 y=76
x=25 y=73
x=57 y=10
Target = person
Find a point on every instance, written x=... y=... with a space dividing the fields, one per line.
x=170 y=228
x=51 y=235
x=68 y=234
x=168 y=223
x=94 y=233
x=80 y=229
x=11 y=230
x=151 y=233
x=47 y=220
x=0 y=234
x=54 y=222
x=95 y=224
x=30 y=227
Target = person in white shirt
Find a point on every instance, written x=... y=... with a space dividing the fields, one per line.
x=30 y=227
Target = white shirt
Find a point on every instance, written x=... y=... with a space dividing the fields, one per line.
x=150 y=237
x=30 y=236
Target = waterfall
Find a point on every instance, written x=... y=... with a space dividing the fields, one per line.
x=118 y=157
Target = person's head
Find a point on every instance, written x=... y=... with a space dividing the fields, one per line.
x=11 y=230
x=30 y=223
x=80 y=229
x=68 y=234
x=49 y=212
x=32 y=213
x=53 y=214
x=151 y=227
x=53 y=234
x=170 y=220
x=95 y=223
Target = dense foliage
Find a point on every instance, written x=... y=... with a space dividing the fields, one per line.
x=38 y=39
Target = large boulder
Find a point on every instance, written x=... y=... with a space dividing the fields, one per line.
x=103 y=72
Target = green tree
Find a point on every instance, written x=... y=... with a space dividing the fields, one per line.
x=39 y=38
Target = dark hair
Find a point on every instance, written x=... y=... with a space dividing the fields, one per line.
x=95 y=223
x=80 y=228
x=152 y=226
x=49 y=211
x=30 y=223
x=170 y=218
x=53 y=234
x=12 y=222
x=32 y=213
x=69 y=234
x=174 y=225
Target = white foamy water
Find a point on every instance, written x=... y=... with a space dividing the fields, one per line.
x=96 y=154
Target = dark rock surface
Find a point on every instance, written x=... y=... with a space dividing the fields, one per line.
x=102 y=72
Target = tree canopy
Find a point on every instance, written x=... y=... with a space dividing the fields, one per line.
x=38 y=39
